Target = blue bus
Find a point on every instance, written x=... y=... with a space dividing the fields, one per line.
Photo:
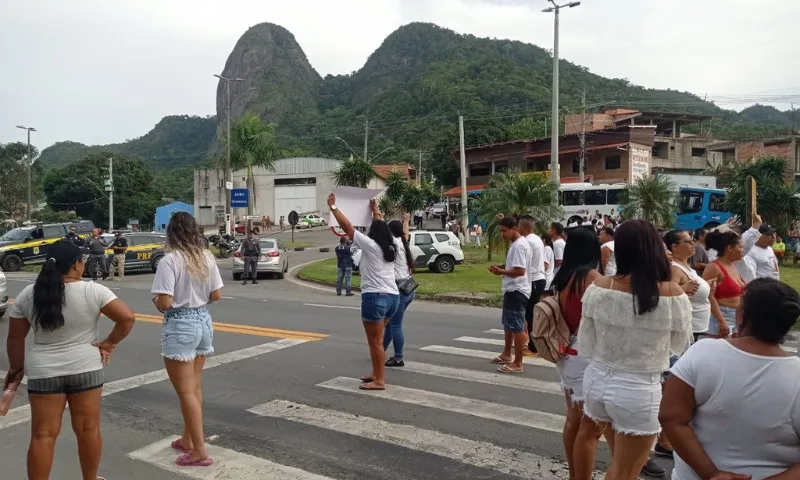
x=700 y=207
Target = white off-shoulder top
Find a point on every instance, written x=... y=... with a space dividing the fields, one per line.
x=612 y=333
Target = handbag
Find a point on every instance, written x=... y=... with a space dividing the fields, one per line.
x=407 y=285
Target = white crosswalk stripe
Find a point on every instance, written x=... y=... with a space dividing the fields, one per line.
x=489 y=378
x=483 y=354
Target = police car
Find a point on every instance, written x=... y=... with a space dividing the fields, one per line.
x=29 y=244
x=145 y=251
x=439 y=251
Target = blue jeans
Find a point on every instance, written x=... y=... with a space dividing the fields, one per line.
x=343 y=276
x=394 y=330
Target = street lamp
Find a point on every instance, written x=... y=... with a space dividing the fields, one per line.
x=228 y=152
x=348 y=146
x=554 y=139
x=30 y=162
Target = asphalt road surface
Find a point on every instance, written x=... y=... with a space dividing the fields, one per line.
x=281 y=397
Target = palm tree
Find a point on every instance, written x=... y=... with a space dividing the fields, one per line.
x=253 y=144
x=354 y=173
x=515 y=194
x=651 y=198
x=414 y=198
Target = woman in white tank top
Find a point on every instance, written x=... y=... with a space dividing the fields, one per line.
x=607 y=251
x=681 y=245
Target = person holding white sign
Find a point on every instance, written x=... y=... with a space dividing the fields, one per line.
x=379 y=293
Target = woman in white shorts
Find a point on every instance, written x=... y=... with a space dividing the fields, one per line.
x=630 y=323
x=578 y=270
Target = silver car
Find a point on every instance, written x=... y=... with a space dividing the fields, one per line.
x=3 y=294
x=273 y=259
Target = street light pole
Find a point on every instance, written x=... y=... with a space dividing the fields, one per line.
x=556 y=9
x=228 y=176
x=30 y=163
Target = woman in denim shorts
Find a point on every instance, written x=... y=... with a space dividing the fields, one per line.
x=379 y=293
x=730 y=285
x=187 y=281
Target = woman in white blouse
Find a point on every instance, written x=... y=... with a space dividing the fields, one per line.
x=631 y=322
x=549 y=263
x=607 y=251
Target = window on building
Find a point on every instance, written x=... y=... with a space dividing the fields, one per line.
x=595 y=197
x=573 y=197
x=204 y=181
x=691 y=202
x=698 y=152
x=716 y=201
x=661 y=150
x=296 y=181
x=480 y=169
x=613 y=162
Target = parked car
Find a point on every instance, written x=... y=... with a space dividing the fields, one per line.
x=439 y=251
x=438 y=208
x=311 y=220
x=274 y=259
x=145 y=251
x=3 y=294
x=29 y=244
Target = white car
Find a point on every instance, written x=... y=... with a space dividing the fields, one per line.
x=437 y=250
x=3 y=294
x=437 y=209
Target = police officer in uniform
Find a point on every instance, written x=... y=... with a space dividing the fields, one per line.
x=97 y=253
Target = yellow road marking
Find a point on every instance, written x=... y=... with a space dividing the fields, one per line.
x=247 y=329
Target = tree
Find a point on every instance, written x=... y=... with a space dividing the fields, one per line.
x=413 y=199
x=354 y=173
x=777 y=202
x=516 y=194
x=78 y=188
x=253 y=144
x=650 y=198
x=14 y=178
x=527 y=128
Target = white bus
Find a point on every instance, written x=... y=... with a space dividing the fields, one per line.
x=586 y=200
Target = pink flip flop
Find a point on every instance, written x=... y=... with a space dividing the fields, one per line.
x=185 y=460
x=177 y=445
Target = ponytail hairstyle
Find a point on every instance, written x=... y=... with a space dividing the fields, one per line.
x=396 y=227
x=48 y=291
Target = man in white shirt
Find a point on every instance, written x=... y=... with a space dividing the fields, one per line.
x=516 y=291
x=762 y=255
x=536 y=272
x=556 y=234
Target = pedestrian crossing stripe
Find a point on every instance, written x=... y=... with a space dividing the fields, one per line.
x=489 y=378
x=535 y=361
x=470 y=452
x=228 y=464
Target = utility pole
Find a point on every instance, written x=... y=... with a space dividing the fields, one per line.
x=29 y=208
x=110 y=190
x=582 y=162
x=464 y=210
x=419 y=173
x=556 y=9
x=228 y=176
x=366 y=138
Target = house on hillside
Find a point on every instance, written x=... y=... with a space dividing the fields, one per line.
x=786 y=146
x=382 y=171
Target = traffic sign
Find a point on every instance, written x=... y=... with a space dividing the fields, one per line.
x=293 y=218
x=240 y=198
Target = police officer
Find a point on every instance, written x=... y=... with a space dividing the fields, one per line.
x=120 y=246
x=251 y=250
x=73 y=237
x=97 y=253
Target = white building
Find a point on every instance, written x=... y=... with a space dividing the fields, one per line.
x=301 y=184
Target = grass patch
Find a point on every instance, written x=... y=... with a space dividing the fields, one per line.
x=470 y=277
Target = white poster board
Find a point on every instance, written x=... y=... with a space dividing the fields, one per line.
x=640 y=163
x=354 y=204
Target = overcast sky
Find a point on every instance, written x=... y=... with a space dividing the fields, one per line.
x=103 y=71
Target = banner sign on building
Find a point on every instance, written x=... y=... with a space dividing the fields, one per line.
x=640 y=163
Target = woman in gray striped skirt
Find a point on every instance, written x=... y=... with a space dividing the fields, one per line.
x=65 y=362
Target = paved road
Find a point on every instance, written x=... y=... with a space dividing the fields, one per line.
x=281 y=400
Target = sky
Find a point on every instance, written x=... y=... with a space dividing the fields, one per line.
x=104 y=71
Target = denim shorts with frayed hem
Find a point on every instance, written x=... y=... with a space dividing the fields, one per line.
x=187 y=333
x=377 y=307
x=729 y=314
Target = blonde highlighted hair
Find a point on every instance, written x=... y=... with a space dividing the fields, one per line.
x=183 y=236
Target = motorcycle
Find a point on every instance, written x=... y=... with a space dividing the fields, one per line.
x=226 y=244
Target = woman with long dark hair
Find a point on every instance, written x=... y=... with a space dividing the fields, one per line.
x=579 y=269
x=403 y=268
x=379 y=293
x=730 y=285
x=549 y=262
x=186 y=282
x=631 y=322
x=731 y=408
x=64 y=363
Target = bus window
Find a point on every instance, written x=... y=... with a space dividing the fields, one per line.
x=595 y=197
x=716 y=201
x=614 y=195
x=691 y=202
x=573 y=197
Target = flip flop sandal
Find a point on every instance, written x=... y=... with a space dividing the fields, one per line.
x=507 y=369
x=367 y=379
x=185 y=460
x=500 y=361
x=365 y=386
x=176 y=445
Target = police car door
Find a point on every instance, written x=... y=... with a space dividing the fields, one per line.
x=423 y=248
x=36 y=248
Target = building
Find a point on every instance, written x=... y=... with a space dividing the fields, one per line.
x=382 y=171
x=615 y=155
x=301 y=184
x=165 y=212
x=673 y=150
x=786 y=146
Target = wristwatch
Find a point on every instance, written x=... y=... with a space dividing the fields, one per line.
x=333 y=207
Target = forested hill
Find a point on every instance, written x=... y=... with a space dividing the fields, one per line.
x=411 y=90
